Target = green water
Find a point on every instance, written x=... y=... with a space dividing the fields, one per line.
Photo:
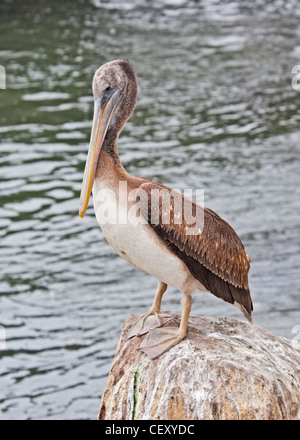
x=216 y=110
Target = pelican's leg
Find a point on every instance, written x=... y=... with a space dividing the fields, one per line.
x=162 y=339
x=153 y=318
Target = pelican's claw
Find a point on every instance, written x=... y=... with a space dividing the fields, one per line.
x=147 y=322
x=160 y=340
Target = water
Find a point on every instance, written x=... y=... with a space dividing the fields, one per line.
x=216 y=110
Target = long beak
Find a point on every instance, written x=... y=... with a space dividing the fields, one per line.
x=103 y=110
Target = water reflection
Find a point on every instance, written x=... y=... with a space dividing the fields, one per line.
x=216 y=110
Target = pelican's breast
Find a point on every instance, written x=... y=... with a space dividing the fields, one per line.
x=134 y=240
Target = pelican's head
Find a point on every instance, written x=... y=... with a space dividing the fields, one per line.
x=115 y=92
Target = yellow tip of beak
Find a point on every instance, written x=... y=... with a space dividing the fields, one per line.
x=81 y=214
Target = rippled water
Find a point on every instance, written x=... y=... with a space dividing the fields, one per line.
x=216 y=110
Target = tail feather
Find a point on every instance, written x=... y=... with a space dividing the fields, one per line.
x=238 y=296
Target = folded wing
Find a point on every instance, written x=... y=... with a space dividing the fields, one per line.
x=215 y=256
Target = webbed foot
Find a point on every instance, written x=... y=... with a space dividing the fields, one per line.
x=147 y=322
x=160 y=340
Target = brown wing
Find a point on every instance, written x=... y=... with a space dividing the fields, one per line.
x=216 y=256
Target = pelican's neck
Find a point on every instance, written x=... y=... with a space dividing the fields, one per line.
x=109 y=147
x=109 y=167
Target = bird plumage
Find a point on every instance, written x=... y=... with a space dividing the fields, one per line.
x=216 y=257
x=210 y=258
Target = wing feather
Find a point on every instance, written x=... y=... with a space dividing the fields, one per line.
x=216 y=256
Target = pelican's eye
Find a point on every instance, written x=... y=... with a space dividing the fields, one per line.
x=105 y=95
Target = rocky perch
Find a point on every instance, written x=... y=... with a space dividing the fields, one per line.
x=224 y=369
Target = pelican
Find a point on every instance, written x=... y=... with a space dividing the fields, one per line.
x=212 y=261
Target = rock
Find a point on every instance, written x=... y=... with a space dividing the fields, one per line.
x=224 y=369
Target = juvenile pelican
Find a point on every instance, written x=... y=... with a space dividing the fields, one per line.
x=213 y=261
